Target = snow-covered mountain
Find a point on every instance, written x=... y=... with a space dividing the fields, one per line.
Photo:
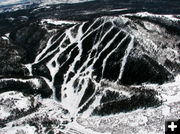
x=8 y=2
x=45 y=2
x=14 y=5
x=88 y=72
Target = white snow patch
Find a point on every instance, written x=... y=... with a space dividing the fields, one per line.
x=96 y=103
x=171 y=99
x=127 y=52
x=19 y=130
x=75 y=128
x=121 y=92
x=4 y=38
x=105 y=60
x=48 y=45
x=36 y=83
x=57 y=22
x=166 y=111
x=145 y=14
x=49 y=2
x=20 y=101
x=4 y=113
x=176 y=82
x=7 y=34
x=29 y=67
x=121 y=9
x=8 y=2
x=151 y=26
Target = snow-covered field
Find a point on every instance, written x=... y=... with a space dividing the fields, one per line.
x=141 y=121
